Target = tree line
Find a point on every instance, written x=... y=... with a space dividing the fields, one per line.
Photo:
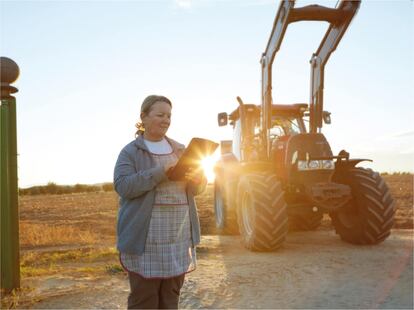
x=53 y=188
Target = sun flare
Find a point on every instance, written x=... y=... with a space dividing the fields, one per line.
x=208 y=166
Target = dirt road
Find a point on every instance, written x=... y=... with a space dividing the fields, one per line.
x=312 y=270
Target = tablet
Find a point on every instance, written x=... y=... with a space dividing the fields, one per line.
x=193 y=154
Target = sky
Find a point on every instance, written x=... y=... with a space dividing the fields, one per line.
x=86 y=66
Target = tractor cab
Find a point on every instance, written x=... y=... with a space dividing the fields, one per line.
x=286 y=121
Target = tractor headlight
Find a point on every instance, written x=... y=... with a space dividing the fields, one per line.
x=304 y=165
x=313 y=164
x=328 y=164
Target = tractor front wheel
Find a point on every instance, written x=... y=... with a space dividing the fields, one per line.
x=368 y=217
x=226 y=220
x=261 y=212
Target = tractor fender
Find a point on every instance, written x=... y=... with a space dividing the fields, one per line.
x=348 y=164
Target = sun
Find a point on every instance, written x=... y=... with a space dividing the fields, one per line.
x=208 y=166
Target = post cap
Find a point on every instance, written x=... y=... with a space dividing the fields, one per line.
x=9 y=70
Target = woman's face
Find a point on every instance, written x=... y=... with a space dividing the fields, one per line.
x=157 y=121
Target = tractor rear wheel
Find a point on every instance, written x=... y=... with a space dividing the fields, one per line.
x=261 y=212
x=226 y=220
x=368 y=217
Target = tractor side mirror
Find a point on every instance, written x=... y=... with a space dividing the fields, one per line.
x=222 y=119
x=326 y=117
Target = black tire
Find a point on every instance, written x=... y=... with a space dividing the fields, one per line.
x=369 y=216
x=307 y=221
x=261 y=212
x=226 y=220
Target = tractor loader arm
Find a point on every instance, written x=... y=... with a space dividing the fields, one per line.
x=334 y=34
x=339 y=19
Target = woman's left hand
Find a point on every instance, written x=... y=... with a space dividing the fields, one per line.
x=195 y=175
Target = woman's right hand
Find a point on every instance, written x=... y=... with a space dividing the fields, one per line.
x=169 y=165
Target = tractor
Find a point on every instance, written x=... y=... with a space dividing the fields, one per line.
x=278 y=173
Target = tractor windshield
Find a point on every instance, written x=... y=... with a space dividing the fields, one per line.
x=282 y=126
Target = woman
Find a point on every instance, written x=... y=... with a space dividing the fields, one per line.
x=158 y=226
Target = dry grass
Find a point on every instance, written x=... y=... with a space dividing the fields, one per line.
x=90 y=254
x=40 y=235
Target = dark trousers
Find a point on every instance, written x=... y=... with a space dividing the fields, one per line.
x=154 y=293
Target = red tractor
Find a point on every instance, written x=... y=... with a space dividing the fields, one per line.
x=279 y=170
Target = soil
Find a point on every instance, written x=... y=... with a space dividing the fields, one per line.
x=312 y=270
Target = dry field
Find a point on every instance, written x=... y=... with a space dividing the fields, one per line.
x=74 y=235
x=90 y=218
x=401 y=187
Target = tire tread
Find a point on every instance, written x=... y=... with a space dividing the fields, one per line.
x=375 y=205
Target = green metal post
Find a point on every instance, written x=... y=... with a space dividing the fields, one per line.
x=9 y=229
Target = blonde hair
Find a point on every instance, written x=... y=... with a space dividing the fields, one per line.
x=146 y=108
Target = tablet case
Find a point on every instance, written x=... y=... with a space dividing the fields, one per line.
x=193 y=154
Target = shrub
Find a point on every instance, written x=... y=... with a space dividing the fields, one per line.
x=108 y=187
x=51 y=188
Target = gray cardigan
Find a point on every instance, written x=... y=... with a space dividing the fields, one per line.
x=135 y=180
